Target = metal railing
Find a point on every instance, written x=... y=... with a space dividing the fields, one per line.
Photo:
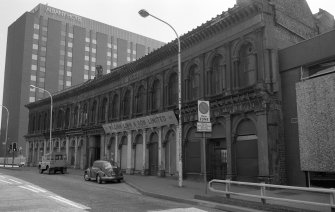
x=263 y=192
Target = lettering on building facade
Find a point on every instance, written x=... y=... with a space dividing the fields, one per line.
x=157 y=120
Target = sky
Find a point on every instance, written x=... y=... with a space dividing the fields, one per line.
x=183 y=15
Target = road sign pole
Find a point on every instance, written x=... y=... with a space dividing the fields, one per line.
x=204 y=155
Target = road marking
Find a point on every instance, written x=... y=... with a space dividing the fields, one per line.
x=5 y=182
x=69 y=202
x=15 y=181
x=181 y=210
x=37 y=189
x=30 y=189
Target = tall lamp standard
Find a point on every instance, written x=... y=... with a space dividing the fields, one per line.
x=6 y=132
x=145 y=14
x=33 y=86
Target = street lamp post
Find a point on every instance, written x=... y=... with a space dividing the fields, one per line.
x=33 y=86
x=6 y=134
x=144 y=14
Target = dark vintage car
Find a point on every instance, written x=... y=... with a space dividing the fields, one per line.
x=103 y=171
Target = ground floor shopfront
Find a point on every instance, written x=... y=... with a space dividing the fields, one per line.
x=239 y=147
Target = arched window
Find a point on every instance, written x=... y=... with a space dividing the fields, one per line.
x=59 y=119
x=33 y=124
x=85 y=115
x=140 y=100
x=215 y=76
x=247 y=65
x=156 y=90
x=193 y=87
x=67 y=118
x=126 y=104
x=39 y=122
x=93 y=111
x=173 y=89
x=115 y=106
x=103 y=109
x=45 y=119
x=75 y=117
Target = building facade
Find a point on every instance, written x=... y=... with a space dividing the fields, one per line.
x=307 y=73
x=127 y=115
x=54 y=50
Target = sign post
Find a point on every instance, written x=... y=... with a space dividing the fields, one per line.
x=205 y=126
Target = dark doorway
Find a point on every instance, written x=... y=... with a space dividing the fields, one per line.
x=217 y=159
x=153 y=158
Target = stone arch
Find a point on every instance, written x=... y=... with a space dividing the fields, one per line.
x=245 y=150
x=192 y=153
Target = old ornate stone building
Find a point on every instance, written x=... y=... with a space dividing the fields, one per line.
x=230 y=61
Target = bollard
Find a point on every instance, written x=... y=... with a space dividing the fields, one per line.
x=263 y=193
x=228 y=189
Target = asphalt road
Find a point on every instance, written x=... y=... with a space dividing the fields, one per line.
x=24 y=189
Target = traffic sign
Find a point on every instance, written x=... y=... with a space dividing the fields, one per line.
x=203 y=111
x=204 y=127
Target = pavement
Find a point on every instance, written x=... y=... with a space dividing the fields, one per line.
x=195 y=193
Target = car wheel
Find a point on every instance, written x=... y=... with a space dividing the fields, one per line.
x=86 y=177
x=99 y=179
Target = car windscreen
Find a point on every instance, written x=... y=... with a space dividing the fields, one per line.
x=108 y=165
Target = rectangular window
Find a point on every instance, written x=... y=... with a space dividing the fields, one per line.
x=93 y=69
x=62 y=43
x=43 y=49
x=61 y=72
x=36 y=26
x=70 y=35
x=85 y=76
x=35 y=36
x=69 y=54
x=109 y=54
x=87 y=40
x=114 y=64
x=86 y=67
x=128 y=59
x=68 y=73
x=115 y=55
x=87 y=49
x=108 y=71
x=134 y=52
x=44 y=29
x=128 y=50
x=35 y=46
x=92 y=76
x=86 y=58
x=114 y=46
x=42 y=69
x=109 y=45
x=93 y=59
x=41 y=79
x=69 y=64
x=108 y=63
x=42 y=59
x=94 y=41
x=69 y=44
x=34 y=57
x=33 y=78
x=94 y=50
x=68 y=83
x=32 y=99
x=34 y=67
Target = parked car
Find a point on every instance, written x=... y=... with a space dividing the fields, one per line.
x=103 y=171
